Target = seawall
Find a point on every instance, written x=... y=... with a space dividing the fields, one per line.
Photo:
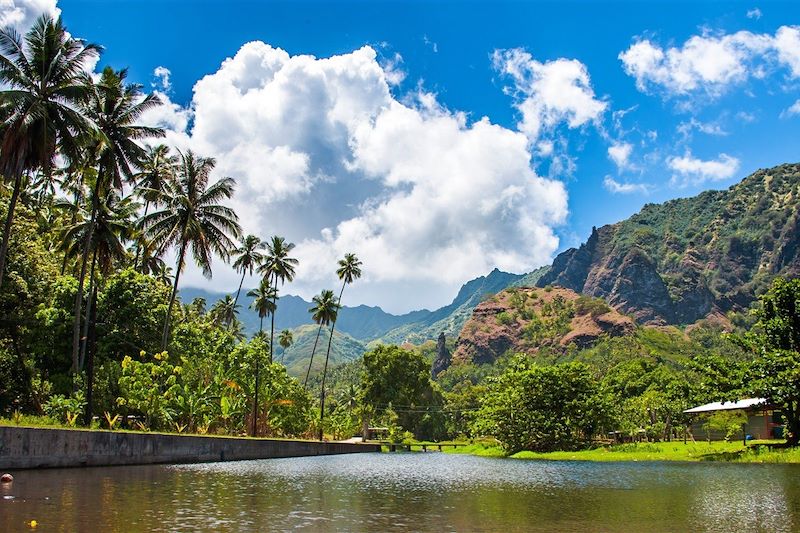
x=22 y=447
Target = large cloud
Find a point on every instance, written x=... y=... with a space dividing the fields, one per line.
x=20 y=14
x=711 y=63
x=325 y=154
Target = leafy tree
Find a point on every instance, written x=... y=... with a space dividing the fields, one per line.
x=264 y=304
x=46 y=81
x=192 y=219
x=544 y=408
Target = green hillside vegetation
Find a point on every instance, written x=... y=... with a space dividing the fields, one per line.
x=343 y=349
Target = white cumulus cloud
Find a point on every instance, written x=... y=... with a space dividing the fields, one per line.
x=21 y=14
x=325 y=154
x=689 y=170
x=792 y=110
x=620 y=154
x=549 y=93
x=711 y=63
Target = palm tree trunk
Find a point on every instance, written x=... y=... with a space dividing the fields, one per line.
x=85 y=336
x=274 y=310
x=255 y=393
x=312 y=355
x=72 y=223
x=91 y=344
x=76 y=325
x=235 y=300
x=325 y=368
x=12 y=204
x=165 y=336
x=139 y=244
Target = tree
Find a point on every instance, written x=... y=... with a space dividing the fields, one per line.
x=156 y=170
x=192 y=219
x=348 y=271
x=323 y=313
x=113 y=106
x=224 y=312
x=279 y=266
x=46 y=80
x=774 y=373
x=264 y=304
x=544 y=408
x=248 y=257
x=285 y=339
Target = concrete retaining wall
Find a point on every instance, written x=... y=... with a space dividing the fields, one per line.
x=22 y=447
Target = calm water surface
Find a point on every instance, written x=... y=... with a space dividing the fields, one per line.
x=407 y=492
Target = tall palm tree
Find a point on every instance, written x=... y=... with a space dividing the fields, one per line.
x=278 y=266
x=323 y=313
x=349 y=270
x=45 y=81
x=285 y=339
x=263 y=304
x=114 y=107
x=192 y=219
x=155 y=172
x=248 y=257
x=224 y=311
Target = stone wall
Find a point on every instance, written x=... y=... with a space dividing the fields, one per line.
x=22 y=447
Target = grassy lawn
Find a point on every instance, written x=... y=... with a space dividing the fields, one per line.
x=654 y=451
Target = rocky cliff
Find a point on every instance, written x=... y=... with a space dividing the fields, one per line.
x=688 y=258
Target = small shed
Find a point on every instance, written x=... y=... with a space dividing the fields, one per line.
x=763 y=420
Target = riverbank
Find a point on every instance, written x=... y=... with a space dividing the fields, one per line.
x=26 y=447
x=733 y=452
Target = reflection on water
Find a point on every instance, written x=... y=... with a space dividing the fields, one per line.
x=407 y=492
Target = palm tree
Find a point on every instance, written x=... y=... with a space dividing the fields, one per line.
x=279 y=266
x=192 y=219
x=323 y=313
x=285 y=339
x=45 y=81
x=224 y=311
x=349 y=270
x=155 y=172
x=264 y=304
x=248 y=256
x=113 y=106
x=163 y=273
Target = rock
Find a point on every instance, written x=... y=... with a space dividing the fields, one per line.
x=443 y=359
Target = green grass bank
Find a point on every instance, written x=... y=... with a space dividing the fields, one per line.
x=733 y=452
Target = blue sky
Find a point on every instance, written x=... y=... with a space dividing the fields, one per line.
x=592 y=110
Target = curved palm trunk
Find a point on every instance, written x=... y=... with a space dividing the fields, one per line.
x=76 y=324
x=12 y=204
x=72 y=223
x=165 y=335
x=312 y=355
x=139 y=244
x=255 y=393
x=89 y=304
x=274 y=310
x=325 y=368
x=91 y=339
x=236 y=299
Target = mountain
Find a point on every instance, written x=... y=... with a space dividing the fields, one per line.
x=680 y=261
x=344 y=349
x=451 y=318
x=365 y=323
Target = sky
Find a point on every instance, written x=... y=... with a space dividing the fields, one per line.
x=440 y=140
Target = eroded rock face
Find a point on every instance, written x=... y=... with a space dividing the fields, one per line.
x=528 y=319
x=443 y=359
x=680 y=261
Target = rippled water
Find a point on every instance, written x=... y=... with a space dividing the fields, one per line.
x=407 y=492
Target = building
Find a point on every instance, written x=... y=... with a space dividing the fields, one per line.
x=763 y=420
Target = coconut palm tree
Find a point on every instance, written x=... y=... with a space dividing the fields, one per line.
x=224 y=311
x=264 y=304
x=277 y=266
x=285 y=339
x=323 y=313
x=45 y=80
x=349 y=270
x=113 y=106
x=248 y=257
x=192 y=220
x=156 y=171
x=163 y=273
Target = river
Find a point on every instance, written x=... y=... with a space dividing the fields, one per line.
x=407 y=492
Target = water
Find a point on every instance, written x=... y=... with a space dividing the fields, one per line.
x=407 y=492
